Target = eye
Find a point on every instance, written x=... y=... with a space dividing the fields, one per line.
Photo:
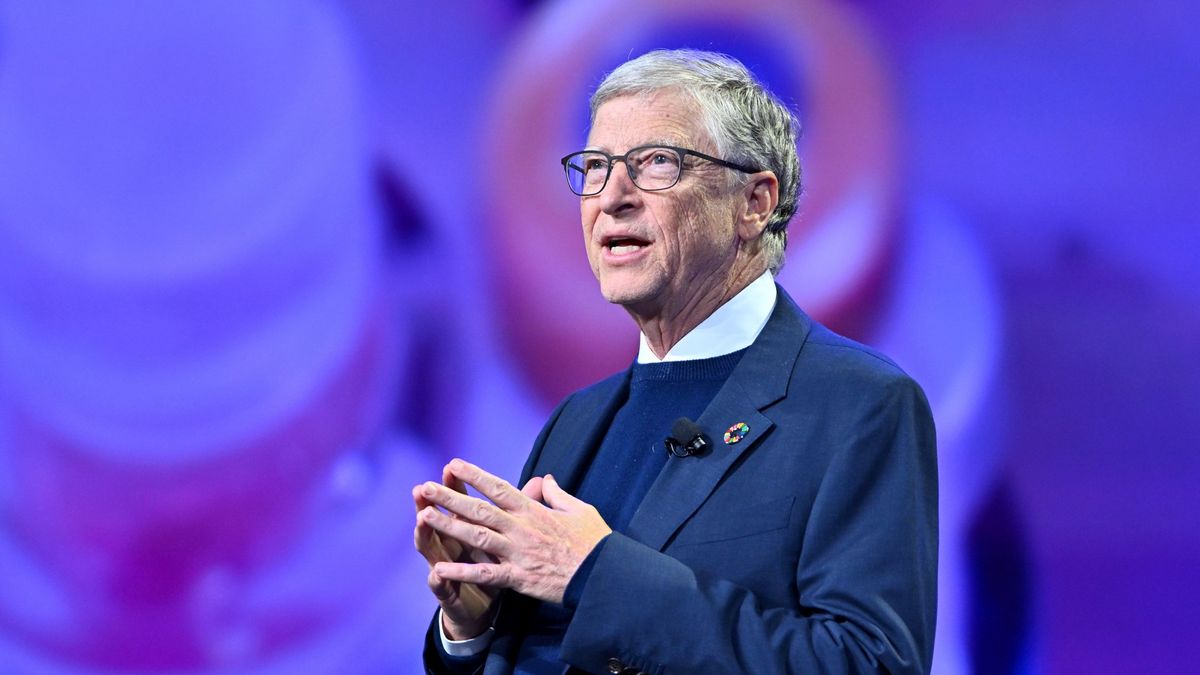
x=595 y=164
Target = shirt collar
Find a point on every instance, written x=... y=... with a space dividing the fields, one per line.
x=733 y=326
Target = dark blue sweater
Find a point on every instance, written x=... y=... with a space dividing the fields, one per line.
x=625 y=466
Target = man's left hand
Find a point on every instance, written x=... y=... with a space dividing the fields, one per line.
x=538 y=546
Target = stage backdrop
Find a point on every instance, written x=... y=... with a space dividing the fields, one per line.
x=266 y=265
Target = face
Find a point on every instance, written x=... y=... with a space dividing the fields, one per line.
x=660 y=253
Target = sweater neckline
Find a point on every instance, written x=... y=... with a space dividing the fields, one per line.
x=693 y=370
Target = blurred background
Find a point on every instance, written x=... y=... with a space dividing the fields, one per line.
x=266 y=265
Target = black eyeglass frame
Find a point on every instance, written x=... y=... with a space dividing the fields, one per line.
x=613 y=159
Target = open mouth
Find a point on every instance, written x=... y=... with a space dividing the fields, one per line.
x=624 y=245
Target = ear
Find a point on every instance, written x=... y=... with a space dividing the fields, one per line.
x=760 y=196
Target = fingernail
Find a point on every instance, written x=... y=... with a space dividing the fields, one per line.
x=427 y=489
x=550 y=477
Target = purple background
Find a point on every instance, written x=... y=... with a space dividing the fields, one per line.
x=264 y=266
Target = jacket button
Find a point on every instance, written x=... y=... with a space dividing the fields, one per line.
x=615 y=666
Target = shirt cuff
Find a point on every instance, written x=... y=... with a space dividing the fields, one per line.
x=574 y=590
x=468 y=647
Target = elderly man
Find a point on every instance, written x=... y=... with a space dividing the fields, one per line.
x=791 y=528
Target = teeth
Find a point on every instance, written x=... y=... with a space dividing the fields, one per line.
x=625 y=249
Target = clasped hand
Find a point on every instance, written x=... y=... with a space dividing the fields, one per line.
x=530 y=540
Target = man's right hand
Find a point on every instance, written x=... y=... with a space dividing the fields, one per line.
x=467 y=609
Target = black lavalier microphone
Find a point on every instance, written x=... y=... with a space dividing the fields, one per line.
x=686 y=439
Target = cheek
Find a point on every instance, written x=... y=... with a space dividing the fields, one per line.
x=704 y=235
x=665 y=220
x=587 y=215
x=693 y=223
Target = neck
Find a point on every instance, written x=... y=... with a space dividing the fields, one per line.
x=664 y=326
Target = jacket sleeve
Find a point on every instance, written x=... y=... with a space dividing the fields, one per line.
x=866 y=575
x=438 y=662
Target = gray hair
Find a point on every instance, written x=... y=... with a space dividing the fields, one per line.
x=748 y=124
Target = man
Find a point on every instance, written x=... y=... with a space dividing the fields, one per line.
x=802 y=537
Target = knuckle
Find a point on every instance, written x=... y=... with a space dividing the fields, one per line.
x=481 y=537
x=481 y=511
x=443 y=499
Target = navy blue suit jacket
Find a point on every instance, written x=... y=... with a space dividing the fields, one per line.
x=810 y=546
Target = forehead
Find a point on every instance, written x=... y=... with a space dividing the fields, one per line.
x=664 y=116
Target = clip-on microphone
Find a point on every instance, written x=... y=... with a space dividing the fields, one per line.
x=696 y=444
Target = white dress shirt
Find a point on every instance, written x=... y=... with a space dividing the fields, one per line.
x=735 y=325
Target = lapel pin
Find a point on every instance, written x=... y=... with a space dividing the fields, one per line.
x=736 y=433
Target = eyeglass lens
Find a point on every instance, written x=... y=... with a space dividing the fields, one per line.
x=650 y=168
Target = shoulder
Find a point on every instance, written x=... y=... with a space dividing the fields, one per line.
x=844 y=370
x=575 y=415
x=827 y=349
x=597 y=392
x=842 y=389
x=588 y=401
x=817 y=355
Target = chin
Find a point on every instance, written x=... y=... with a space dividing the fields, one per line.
x=628 y=294
x=632 y=285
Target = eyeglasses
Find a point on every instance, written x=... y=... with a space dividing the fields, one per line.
x=651 y=168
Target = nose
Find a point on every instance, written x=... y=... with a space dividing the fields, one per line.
x=620 y=195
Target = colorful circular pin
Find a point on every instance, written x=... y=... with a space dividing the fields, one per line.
x=736 y=433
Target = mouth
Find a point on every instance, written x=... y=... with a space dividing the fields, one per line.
x=623 y=244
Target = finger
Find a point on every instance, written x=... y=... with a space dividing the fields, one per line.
x=442 y=590
x=418 y=498
x=558 y=498
x=481 y=574
x=427 y=544
x=500 y=491
x=533 y=489
x=432 y=547
x=472 y=509
x=438 y=585
x=476 y=555
x=451 y=481
x=470 y=534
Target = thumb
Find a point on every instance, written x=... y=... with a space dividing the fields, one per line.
x=533 y=489
x=556 y=497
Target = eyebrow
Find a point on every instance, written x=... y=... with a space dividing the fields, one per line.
x=653 y=141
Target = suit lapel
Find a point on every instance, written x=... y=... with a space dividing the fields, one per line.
x=581 y=428
x=685 y=482
x=760 y=379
